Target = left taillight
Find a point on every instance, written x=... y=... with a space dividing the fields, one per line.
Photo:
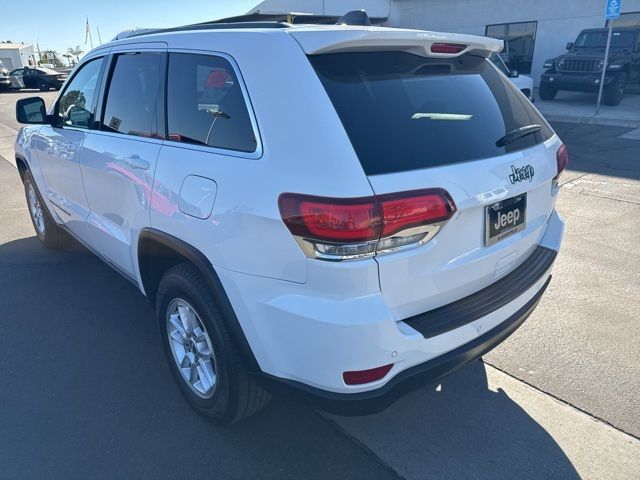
x=339 y=229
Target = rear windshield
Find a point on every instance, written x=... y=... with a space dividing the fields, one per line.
x=406 y=112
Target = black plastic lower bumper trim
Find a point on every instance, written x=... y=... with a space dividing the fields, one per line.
x=373 y=401
x=482 y=303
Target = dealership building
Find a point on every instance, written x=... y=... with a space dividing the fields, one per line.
x=533 y=30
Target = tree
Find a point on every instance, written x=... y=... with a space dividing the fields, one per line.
x=45 y=57
x=76 y=52
x=70 y=60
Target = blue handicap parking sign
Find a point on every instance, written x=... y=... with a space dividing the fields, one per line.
x=613 y=9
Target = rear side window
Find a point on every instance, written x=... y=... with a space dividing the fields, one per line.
x=205 y=104
x=133 y=95
x=405 y=112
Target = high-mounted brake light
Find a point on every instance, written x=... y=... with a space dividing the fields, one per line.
x=451 y=48
x=338 y=229
x=562 y=158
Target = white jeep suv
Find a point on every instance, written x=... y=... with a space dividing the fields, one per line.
x=337 y=213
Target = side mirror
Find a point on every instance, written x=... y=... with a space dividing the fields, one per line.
x=514 y=74
x=569 y=45
x=31 y=111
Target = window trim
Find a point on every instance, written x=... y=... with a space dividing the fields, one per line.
x=110 y=64
x=96 y=94
x=258 y=152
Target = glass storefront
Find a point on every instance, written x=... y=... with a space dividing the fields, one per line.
x=519 y=41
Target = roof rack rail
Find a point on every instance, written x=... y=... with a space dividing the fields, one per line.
x=201 y=26
x=354 y=17
x=261 y=20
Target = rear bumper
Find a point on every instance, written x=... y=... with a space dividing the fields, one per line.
x=587 y=82
x=304 y=337
x=373 y=401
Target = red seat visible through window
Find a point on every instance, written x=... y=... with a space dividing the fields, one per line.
x=216 y=79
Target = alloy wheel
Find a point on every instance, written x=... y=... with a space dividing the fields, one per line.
x=35 y=208
x=191 y=347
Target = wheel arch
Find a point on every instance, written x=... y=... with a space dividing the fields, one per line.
x=22 y=165
x=158 y=251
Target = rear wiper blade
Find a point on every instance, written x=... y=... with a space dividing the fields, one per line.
x=514 y=135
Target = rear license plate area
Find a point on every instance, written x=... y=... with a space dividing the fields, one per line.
x=504 y=218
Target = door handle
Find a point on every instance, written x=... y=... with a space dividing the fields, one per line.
x=134 y=161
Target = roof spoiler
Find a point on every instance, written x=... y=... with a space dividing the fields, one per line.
x=418 y=42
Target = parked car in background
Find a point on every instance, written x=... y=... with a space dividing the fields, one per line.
x=5 y=81
x=523 y=82
x=43 y=79
x=580 y=69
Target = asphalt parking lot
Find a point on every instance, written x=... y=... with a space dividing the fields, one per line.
x=85 y=392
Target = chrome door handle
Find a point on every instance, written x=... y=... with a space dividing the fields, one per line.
x=136 y=162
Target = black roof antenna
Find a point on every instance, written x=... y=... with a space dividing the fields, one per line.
x=355 y=17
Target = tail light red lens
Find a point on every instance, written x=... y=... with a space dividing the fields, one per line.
x=333 y=223
x=562 y=158
x=366 y=376
x=335 y=220
x=447 y=47
x=413 y=209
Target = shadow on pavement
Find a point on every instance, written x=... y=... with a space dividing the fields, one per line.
x=596 y=149
x=462 y=429
x=85 y=391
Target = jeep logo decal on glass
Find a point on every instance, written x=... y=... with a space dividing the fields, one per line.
x=519 y=174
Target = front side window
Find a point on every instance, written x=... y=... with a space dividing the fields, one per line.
x=133 y=95
x=205 y=104
x=75 y=106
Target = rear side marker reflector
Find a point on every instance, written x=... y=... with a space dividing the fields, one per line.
x=360 y=377
x=451 y=48
x=352 y=227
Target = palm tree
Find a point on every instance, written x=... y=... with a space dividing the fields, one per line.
x=76 y=52
x=70 y=60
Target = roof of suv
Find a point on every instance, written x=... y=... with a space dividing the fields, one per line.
x=317 y=39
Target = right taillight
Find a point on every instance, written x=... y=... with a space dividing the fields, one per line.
x=562 y=159
x=339 y=229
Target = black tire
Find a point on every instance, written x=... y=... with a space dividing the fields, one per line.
x=43 y=86
x=547 y=92
x=614 y=92
x=48 y=231
x=236 y=395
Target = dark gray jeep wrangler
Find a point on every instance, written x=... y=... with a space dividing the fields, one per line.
x=580 y=69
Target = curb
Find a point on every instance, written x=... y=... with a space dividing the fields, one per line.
x=610 y=122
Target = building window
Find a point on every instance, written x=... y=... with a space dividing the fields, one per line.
x=519 y=41
x=628 y=20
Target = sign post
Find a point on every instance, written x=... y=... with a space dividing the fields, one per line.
x=611 y=13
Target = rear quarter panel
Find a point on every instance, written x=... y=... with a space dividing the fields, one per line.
x=304 y=150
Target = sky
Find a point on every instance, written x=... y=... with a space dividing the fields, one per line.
x=60 y=25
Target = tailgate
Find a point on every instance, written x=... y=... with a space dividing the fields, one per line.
x=456 y=124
